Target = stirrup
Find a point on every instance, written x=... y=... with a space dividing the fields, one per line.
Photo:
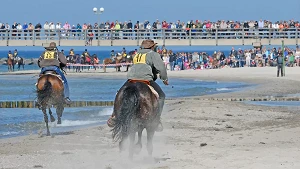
x=67 y=101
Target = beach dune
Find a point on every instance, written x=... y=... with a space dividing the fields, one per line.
x=197 y=133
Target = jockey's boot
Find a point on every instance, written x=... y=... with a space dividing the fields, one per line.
x=67 y=101
x=160 y=127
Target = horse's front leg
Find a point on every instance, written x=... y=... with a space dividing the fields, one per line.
x=52 y=119
x=150 y=134
x=46 y=120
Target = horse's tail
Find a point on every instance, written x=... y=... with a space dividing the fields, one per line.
x=45 y=92
x=128 y=109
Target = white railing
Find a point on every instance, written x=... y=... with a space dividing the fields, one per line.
x=137 y=35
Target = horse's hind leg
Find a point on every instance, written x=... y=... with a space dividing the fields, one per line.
x=52 y=119
x=150 y=134
x=138 y=146
x=121 y=145
x=46 y=121
x=59 y=112
x=131 y=144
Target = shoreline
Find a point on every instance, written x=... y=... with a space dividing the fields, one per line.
x=205 y=134
x=255 y=76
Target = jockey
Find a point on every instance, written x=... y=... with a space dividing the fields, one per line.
x=146 y=65
x=10 y=55
x=52 y=59
x=15 y=53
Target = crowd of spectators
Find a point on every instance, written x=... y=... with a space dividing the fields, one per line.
x=176 y=61
x=126 y=29
x=255 y=57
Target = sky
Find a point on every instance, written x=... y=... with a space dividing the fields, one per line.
x=77 y=11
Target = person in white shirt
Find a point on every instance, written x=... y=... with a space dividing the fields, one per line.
x=46 y=28
x=58 y=27
x=148 y=29
x=63 y=32
x=20 y=30
x=248 y=58
x=52 y=29
x=261 y=24
x=7 y=27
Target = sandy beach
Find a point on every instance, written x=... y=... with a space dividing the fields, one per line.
x=197 y=133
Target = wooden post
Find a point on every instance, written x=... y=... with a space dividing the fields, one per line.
x=104 y=67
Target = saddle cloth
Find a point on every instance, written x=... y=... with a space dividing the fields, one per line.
x=148 y=84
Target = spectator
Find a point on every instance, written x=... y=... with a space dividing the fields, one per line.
x=20 y=30
x=37 y=28
x=25 y=29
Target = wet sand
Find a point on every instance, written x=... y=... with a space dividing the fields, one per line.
x=197 y=134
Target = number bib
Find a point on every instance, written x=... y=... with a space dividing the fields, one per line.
x=140 y=58
x=49 y=55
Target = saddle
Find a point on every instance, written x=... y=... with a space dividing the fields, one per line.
x=148 y=84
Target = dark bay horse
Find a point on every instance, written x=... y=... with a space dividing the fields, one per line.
x=135 y=109
x=20 y=62
x=50 y=91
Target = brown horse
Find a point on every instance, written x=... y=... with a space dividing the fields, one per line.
x=111 y=61
x=10 y=64
x=50 y=91
x=135 y=109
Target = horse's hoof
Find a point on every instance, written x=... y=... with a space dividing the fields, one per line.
x=58 y=121
x=48 y=134
x=121 y=146
x=52 y=119
x=159 y=128
x=130 y=157
x=137 y=149
x=149 y=159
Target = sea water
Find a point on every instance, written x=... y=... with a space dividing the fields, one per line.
x=24 y=121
